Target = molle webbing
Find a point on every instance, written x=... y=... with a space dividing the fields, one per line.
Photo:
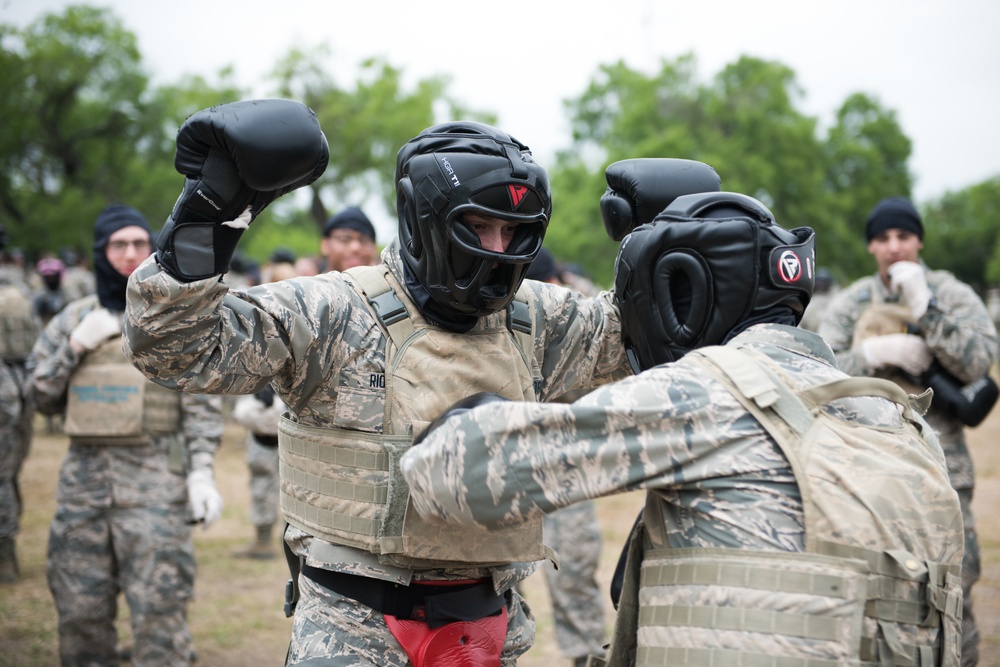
x=344 y=475
x=345 y=485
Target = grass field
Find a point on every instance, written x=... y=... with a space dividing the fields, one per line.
x=237 y=616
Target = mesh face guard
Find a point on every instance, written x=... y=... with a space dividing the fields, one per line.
x=705 y=265
x=453 y=170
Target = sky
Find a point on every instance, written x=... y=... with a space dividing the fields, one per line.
x=935 y=63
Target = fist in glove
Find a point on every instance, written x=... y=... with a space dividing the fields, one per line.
x=203 y=498
x=96 y=327
x=909 y=281
x=905 y=351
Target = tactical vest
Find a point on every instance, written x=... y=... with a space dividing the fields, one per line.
x=879 y=582
x=345 y=486
x=18 y=327
x=109 y=402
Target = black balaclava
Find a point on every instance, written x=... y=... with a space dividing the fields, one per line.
x=111 y=285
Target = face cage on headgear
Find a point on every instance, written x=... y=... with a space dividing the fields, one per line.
x=683 y=283
x=444 y=254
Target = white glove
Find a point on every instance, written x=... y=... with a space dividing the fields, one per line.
x=909 y=280
x=203 y=498
x=96 y=327
x=904 y=351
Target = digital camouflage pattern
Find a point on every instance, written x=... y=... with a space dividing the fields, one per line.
x=18 y=331
x=121 y=520
x=963 y=338
x=716 y=479
x=316 y=342
x=577 y=600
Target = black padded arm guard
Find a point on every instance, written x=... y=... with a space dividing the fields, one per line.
x=639 y=189
x=235 y=155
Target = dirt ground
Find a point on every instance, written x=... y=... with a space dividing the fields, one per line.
x=237 y=617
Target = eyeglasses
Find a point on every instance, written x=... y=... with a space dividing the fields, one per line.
x=348 y=239
x=118 y=247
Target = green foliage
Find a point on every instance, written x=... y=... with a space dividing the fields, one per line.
x=745 y=123
x=961 y=234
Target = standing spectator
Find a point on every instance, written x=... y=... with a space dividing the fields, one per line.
x=78 y=280
x=259 y=414
x=348 y=240
x=137 y=455
x=575 y=535
x=51 y=297
x=951 y=328
x=18 y=331
x=825 y=289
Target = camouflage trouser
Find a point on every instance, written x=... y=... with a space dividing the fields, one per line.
x=15 y=440
x=970 y=575
x=577 y=603
x=264 y=482
x=144 y=552
x=331 y=630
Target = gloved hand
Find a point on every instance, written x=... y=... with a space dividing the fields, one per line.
x=237 y=158
x=905 y=351
x=96 y=327
x=204 y=500
x=640 y=188
x=909 y=280
x=457 y=408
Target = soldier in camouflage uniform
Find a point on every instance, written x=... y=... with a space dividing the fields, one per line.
x=954 y=328
x=754 y=548
x=18 y=331
x=365 y=359
x=138 y=472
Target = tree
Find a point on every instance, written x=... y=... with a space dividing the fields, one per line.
x=866 y=157
x=961 y=234
x=745 y=123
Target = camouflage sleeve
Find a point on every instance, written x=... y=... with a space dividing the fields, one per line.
x=505 y=463
x=837 y=328
x=202 y=422
x=52 y=360
x=959 y=331
x=202 y=338
x=581 y=342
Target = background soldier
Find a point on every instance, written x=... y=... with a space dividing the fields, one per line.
x=348 y=241
x=763 y=540
x=120 y=524
x=18 y=331
x=951 y=327
x=575 y=534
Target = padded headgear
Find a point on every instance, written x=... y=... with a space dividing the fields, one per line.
x=452 y=169
x=705 y=265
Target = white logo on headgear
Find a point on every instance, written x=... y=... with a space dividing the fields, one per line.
x=789 y=266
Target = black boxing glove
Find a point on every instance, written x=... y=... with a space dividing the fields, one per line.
x=457 y=408
x=640 y=188
x=969 y=404
x=235 y=156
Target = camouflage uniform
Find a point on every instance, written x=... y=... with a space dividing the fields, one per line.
x=961 y=335
x=18 y=331
x=717 y=483
x=121 y=524
x=307 y=337
x=261 y=422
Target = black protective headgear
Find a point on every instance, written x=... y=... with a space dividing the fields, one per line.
x=708 y=263
x=456 y=168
